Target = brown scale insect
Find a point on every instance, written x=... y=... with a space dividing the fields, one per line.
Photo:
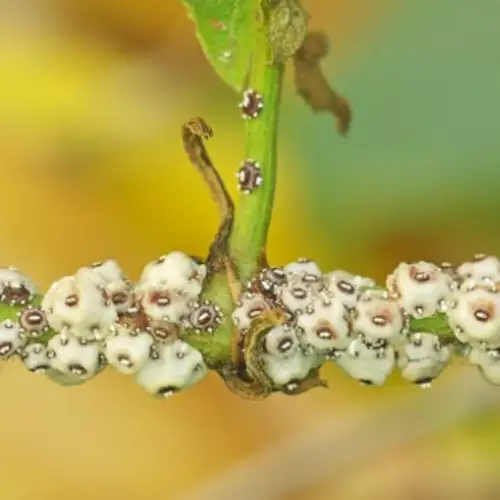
x=163 y=331
x=204 y=317
x=122 y=298
x=268 y=283
x=252 y=104
x=33 y=322
x=15 y=294
x=271 y=279
x=134 y=319
x=249 y=176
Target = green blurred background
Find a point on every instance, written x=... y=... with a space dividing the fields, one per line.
x=92 y=97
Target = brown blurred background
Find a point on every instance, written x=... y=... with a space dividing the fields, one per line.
x=92 y=97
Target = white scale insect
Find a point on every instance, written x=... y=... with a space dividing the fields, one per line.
x=422 y=358
x=284 y=360
x=176 y=367
x=366 y=363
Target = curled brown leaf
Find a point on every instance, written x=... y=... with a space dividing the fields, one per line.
x=194 y=132
x=243 y=386
x=312 y=85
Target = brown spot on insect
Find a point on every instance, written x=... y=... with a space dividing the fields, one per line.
x=71 y=300
x=77 y=369
x=483 y=314
x=252 y=104
x=420 y=276
x=325 y=331
x=6 y=348
x=249 y=176
x=120 y=298
x=257 y=310
x=382 y=318
x=124 y=360
x=346 y=287
x=298 y=293
x=161 y=298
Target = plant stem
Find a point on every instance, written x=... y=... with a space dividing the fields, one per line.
x=253 y=214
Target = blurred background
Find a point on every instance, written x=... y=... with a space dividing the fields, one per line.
x=92 y=97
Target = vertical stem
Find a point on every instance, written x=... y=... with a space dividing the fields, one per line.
x=253 y=215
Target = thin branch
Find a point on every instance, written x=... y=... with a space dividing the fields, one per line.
x=336 y=447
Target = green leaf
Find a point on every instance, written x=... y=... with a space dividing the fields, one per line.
x=227 y=31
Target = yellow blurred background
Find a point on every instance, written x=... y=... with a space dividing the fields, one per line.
x=92 y=97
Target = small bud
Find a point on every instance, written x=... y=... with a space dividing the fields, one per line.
x=288 y=27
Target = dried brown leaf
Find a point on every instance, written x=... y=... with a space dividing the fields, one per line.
x=312 y=85
x=194 y=132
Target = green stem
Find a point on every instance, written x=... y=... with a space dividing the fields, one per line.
x=253 y=214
